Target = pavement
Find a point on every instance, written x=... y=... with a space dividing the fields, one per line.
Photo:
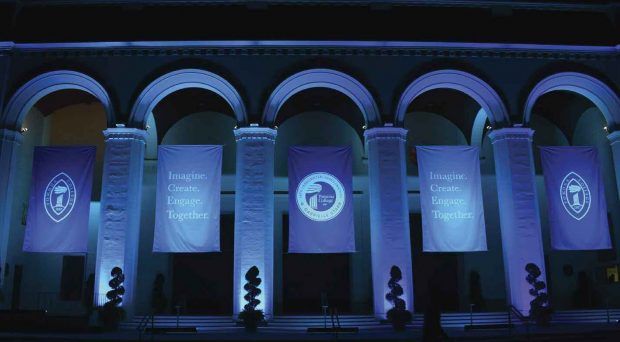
x=557 y=332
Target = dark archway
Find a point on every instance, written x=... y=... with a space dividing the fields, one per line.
x=320 y=107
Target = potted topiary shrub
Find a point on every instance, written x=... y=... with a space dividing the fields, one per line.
x=398 y=314
x=540 y=311
x=111 y=313
x=250 y=316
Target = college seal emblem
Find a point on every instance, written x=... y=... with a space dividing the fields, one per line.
x=575 y=195
x=320 y=196
x=59 y=197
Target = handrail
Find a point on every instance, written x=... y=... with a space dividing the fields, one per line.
x=334 y=313
x=144 y=322
x=519 y=315
x=338 y=318
x=607 y=309
x=522 y=318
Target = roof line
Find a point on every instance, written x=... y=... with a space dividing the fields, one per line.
x=308 y=44
x=531 y=4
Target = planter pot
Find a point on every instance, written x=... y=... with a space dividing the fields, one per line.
x=250 y=326
x=399 y=319
x=399 y=326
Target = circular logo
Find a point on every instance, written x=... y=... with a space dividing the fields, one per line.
x=59 y=197
x=575 y=195
x=320 y=196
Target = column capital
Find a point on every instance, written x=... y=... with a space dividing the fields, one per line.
x=614 y=137
x=10 y=135
x=255 y=133
x=511 y=133
x=390 y=133
x=124 y=133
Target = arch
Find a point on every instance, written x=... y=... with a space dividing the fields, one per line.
x=593 y=89
x=477 y=131
x=462 y=81
x=183 y=79
x=322 y=78
x=28 y=94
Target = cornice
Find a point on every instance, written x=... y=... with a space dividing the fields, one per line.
x=513 y=4
x=385 y=133
x=511 y=133
x=312 y=48
x=124 y=133
x=6 y=48
x=255 y=133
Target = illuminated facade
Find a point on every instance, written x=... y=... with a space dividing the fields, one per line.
x=257 y=98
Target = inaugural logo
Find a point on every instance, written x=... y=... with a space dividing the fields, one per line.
x=59 y=197
x=320 y=196
x=575 y=195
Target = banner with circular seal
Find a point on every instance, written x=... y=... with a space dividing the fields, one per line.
x=320 y=199
x=576 y=198
x=60 y=194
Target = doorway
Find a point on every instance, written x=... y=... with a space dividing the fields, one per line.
x=444 y=266
x=202 y=282
x=307 y=276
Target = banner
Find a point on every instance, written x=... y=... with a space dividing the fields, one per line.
x=576 y=198
x=187 y=209
x=59 y=205
x=451 y=199
x=320 y=199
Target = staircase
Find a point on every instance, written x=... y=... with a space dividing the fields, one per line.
x=585 y=316
x=203 y=324
x=461 y=319
x=290 y=323
x=302 y=323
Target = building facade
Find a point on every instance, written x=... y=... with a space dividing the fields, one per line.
x=257 y=98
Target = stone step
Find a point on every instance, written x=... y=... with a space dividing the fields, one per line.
x=366 y=322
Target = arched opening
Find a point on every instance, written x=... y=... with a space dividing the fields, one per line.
x=321 y=117
x=58 y=114
x=563 y=117
x=449 y=116
x=322 y=78
x=200 y=283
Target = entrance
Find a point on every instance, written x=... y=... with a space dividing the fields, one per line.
x=443 y=266
x=307 y=276
x=203 y=282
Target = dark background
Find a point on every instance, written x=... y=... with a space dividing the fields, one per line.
x=535 y=21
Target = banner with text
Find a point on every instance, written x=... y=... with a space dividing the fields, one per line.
x=451 y=199
x=320 y=197
x=59 y=205
x=187 y=211
x=576 y=198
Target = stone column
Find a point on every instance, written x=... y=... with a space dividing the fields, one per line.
x=10 y=142
x=119 y=231
x=254 y=211
x=5 y=67
x=389 y=214
x=518 y=211
x=614 y=141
